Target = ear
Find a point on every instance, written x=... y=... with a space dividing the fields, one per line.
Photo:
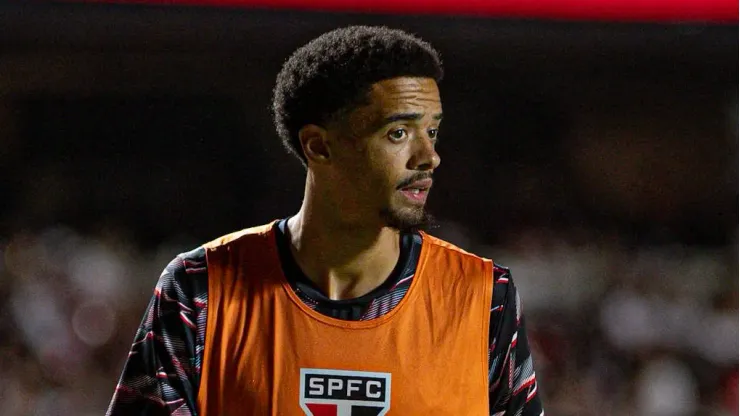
x=314 y=141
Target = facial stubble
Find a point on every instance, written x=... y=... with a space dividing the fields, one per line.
x=407 y=220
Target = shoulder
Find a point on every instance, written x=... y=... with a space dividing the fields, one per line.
x=228 y=240
x=185 y=278
x=503 y=281
x=442 y=247
x=245 y=250
x=505 y=295
x=501 y=275
x=455 y=264
x=187 y=263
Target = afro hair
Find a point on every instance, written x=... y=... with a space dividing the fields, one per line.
x=334 y=72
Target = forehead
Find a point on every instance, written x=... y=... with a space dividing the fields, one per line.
x=405 y=94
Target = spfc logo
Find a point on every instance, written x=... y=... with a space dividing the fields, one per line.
x=344 y=393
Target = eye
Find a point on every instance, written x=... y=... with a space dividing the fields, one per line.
x=433 y=133
x=397 y=134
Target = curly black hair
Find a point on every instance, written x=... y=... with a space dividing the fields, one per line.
x=334 y=72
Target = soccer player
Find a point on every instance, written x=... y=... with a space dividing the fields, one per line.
x=346 y=307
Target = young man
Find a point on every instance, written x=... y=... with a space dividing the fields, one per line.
x=345 y=308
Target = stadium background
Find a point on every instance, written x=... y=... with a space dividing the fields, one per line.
x=596 y=158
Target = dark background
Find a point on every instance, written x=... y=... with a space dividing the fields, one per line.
x=598 y=160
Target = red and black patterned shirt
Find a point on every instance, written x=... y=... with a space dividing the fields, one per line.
x=162 y=373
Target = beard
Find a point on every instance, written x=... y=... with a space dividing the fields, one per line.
x=407 y=220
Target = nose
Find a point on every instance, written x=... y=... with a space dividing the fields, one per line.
x=425 y=156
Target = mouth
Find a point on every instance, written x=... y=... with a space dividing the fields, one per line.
x=418 y=191
x=415 y=195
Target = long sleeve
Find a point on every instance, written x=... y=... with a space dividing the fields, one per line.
x=162 y=372
x=511 y=375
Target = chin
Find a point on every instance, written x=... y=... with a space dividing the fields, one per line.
x=407 y=220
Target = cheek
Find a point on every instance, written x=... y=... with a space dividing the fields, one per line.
x=377 y=168
x=386 y=177
x=362 y=177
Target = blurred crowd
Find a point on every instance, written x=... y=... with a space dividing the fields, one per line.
x=615 y=329
x=70 y=305
x=129 y=125
x=624 y=330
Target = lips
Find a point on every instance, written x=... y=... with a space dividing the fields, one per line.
x=422 y=185
x=417 y=191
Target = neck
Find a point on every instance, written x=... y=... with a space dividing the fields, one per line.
x=344 y=259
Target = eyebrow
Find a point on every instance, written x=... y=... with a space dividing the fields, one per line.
x=408 y=117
